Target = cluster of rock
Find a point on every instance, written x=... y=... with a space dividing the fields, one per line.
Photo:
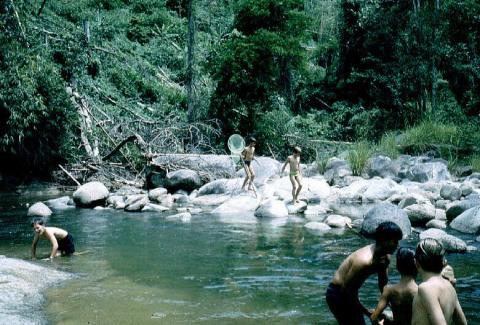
x=410 y=191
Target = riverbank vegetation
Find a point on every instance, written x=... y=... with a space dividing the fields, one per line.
x=78 y=78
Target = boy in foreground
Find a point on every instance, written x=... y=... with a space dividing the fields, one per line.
x=61 y=240
x=342 y=293
x=400 y=296
x=436 y=301
x=295 y=173
x=248 y=156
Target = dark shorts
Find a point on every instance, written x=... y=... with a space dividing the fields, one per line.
x=66 y=246
x=345 y=308
x=248 y=162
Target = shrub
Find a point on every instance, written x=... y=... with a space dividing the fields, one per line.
x=358 y=157
x=388 y=146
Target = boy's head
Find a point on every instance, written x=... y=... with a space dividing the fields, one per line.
x=429 y=255
x=252 y=141
x=38 y=225
x=406 y=262
x=297 y=151
x=387 y=236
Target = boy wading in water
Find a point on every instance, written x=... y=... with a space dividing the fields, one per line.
x=400 y=296
x=61 y=240
x=436 y=301
x=295 y=173
x=248 y=156
x=342 y=292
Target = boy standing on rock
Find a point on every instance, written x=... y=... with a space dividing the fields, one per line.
x=436 y=301
x=295 y=173
x=61 y=240
x=342 y=292
x=247 y=157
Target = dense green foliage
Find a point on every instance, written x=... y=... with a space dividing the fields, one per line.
x=288 y=72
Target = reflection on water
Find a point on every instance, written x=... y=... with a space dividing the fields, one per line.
x=143 y=269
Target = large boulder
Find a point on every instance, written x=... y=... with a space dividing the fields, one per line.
x=450 y=192
x=264 y=168
x=385 y=212
x=90 y=195
x=238 y=205
x=449 y=242
x=420 y=214
x=182 y=179
x=221 y=186
x=39 y=209
x=271 y=209
x=380 y=166
x=336 y=171
x=458 y=208
x=468 y=222
x=435 y=171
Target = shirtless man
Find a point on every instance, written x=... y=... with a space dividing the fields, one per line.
x=342 y=293
x=436 y=301
x=61 y=240
x=295 y=173
x=400 y=295
x=248 y=157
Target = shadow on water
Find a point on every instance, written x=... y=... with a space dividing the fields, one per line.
x=143 y=269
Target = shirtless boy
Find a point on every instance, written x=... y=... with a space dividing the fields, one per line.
x=295 y=173
x=61 y=240
x=342 y=293
x=436 y=301
x=248 y=157
x=400 y=295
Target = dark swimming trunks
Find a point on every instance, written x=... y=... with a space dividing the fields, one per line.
x=66 y=246
x=247 y=162
x=346 y=308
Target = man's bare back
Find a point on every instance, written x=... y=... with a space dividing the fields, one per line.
x=436 y=303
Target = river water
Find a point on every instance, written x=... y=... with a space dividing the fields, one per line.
x=139 y=268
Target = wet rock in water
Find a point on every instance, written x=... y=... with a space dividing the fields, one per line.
x=297 y=207
x=39 y=209
x=135 y=203
x=154 y=207
x=156 y=193
x=60 y=203
x=458 y=208
x=468 y=222
x=116 y=201
x=221 y=186
x=183 y=217
x=449 y=242
x=271 y=209
x=385 y=212
x=317 y=227
x=336 y=221
x=238 y=204
x=450 y=192
x=438 y=224
x=182 y=179
x=90 y=195
x=420 y=214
